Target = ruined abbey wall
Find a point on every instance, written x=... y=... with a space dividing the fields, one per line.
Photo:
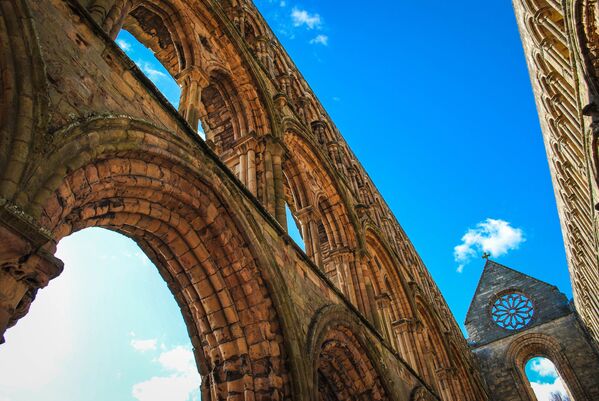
x=87 y=140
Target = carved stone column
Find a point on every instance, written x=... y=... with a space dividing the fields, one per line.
x=446 y=377
x=345 y=264
x=264 y=52
x=310 y=234
x=247 y=162
x=404 y=329
x=192 y=81
x=273 y=173
x=383 y=302
x=319 y=131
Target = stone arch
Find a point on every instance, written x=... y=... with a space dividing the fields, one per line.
x=162 y=28
x=219 y=80
x=464 y=388
x=531 y=345
x=392 y=293
x=434 y=355
x=327 y=218
x=226 y=118
x=24 y=95
x=133 y=178
x=311 y=182
x=343 y=359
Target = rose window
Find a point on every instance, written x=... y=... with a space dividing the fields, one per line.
x=512 y=311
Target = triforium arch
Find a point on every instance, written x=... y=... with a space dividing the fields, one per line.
x=328 y=227
x=533 y=345
x=343 y=360
x=195 y=238
x=435 y=360
x=392 y=298
x=221 y=86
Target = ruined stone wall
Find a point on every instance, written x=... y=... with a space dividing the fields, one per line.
x=87 y=140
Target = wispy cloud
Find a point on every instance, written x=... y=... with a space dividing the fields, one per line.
x=123 y=44
x=144 y=345
x=301 y=17
x=321 y=40
x=494 y=236
x=180 y=381
x=150 y=70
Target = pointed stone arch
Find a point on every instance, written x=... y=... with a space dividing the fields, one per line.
x=343 y=359
x=325 y=211
x=130 y=177
x=434 y=356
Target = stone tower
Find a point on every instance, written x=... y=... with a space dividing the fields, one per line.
x=514 y=317
x=560 y=40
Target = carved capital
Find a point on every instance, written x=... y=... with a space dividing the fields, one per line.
x=19 y=282
x=193 y=74
x=406 y=325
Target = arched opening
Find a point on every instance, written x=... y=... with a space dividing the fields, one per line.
x=224 y=114
x=545 y=380
x=213 y=91
x=150 y=65
x=293 y=228
x=174 y=207
x=533 y=355
x=390 y=291
x=328 y=227
x=343 y=369
x=107 y=326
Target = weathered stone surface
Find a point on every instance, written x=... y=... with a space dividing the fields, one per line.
x=87 y=140
x=554 y=331
x=561 y=43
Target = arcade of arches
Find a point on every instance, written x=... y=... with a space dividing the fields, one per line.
x=87 y=141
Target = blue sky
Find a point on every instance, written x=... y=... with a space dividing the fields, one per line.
x=434 y=99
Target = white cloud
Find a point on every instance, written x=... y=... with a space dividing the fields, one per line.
x=123 y=44
x=180 y=382
x=544 y=367
x=492 y=235
x=544 y=391
x=302 y=17
x=150 y=70
x=178 y=359
x=144 y=345
x=321 y=40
